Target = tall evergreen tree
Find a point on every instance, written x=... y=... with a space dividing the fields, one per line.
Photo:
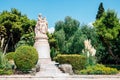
x=108 y=28
x=100 y=11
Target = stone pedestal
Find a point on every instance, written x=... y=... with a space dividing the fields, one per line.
x=43 y=48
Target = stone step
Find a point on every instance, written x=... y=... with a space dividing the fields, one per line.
x=49 y=69
x=44 y=74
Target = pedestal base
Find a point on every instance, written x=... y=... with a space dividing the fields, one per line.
x=43 y=49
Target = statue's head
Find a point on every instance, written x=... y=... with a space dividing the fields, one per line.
x=39 y=15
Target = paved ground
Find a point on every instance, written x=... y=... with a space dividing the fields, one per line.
x=49 y=71
x=70 y=77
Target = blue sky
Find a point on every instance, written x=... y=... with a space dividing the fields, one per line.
x=55 y=10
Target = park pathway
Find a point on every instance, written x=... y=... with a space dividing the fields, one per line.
x=49 y=71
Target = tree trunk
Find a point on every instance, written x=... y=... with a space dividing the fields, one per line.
x=6 y=46
x=2 y=42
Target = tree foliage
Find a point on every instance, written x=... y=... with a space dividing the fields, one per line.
x=64 y=35
x=108 y=25
x=13 y=25
x=26 y=39
x=69 y=26
x=100 y=11
x=70 y=37
x=60 y=37
x=108 y=28
x=92 y=35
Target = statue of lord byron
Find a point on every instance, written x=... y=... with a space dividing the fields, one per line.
x=41 y=28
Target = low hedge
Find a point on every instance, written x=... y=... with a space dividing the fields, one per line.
x=77 y=61
x=99 y=69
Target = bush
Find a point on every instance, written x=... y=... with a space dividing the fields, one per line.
x=25 y=58
x=4 y=64
x=10 y=55
x=77 y=61
x=98 y=69
x=90 y=60
x=52 y=53
x=114 y=66
x=5 y=67
x=5 y=72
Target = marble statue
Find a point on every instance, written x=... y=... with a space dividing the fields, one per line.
x=41 y=28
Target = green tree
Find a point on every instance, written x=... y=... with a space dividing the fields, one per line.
x=100 y=11
x=64 y=33
x=77 y=42
x=115 y=45
x=52 y=40
x=90 y=33
x=108 y=27
x=15 y=11
x=15 y=25
x=60 y=39
x=70 y=26
x=59 y=25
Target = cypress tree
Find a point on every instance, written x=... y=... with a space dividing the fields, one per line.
x=100 y=11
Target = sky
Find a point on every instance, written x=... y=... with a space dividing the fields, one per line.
x=54 y=10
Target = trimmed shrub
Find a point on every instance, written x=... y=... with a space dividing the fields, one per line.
x=99 y=69
x=25 y=58
x=77 y=61
x=10 y=55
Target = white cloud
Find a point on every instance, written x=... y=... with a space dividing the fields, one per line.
x=51 y=30
x=91 y=24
